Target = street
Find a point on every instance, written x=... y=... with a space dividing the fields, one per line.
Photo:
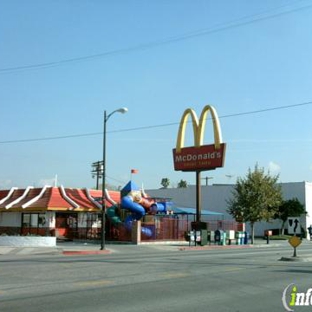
x=154 y=278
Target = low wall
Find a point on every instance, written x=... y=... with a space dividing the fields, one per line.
x=28 y=241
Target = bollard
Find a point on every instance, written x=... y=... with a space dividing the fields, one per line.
x=268 y=234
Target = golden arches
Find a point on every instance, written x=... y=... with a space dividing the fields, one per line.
x=199 y=127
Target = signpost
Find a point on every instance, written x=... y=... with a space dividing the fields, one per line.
x=199 y=157
x=294 y=241
x=294 y=228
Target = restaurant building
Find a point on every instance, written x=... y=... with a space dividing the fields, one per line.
x=53 y=211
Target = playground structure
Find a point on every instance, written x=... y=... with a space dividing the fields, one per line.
x=134 y=206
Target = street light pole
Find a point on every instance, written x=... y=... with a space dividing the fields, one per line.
x=106 y=117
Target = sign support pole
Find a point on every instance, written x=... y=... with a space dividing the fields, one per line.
x=198 y=197
x=295 y=252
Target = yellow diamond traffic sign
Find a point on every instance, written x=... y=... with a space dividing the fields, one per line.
x=294 y=241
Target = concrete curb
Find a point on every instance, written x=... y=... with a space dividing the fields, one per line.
x=85 y=252
x=93 y=249
x=214 y=247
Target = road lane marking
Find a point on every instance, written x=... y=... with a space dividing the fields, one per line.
x=175 y=275
x=233 y=269
x=93 y=283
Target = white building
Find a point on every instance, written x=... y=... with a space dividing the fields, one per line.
x=215 y=197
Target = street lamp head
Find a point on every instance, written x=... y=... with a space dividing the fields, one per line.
x=122 y=110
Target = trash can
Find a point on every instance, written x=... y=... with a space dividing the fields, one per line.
x=189 y=236
x=197 y=236
x=239 y=236
x=230 y=235
x=203 y=237
x=242 y=235
x=200 y=229
x=223 y=238
x=218 y=235
x=211 y=237
x=246 y=237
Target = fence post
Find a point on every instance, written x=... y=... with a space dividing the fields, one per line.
x=136 y=232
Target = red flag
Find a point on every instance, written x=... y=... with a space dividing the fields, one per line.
x=134 y=171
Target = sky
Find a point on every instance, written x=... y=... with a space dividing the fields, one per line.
x=64 y=62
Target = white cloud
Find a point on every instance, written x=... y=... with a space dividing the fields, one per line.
x=274 y=168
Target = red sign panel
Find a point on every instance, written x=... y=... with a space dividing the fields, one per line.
x=205 y=157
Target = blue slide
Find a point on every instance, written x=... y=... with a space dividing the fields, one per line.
x=138 y=212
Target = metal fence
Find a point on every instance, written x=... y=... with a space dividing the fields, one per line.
x=167 y=228
x=173 y=228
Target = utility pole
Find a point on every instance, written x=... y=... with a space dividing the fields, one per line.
x=97 y=171
x=207 y=179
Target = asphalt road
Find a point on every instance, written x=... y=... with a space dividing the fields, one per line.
x=154 y=278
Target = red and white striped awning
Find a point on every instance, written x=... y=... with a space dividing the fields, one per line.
x=50 y=198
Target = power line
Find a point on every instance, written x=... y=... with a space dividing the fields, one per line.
x=150 y=126
x=52 y=138
x=269 y=14
x=267 y=109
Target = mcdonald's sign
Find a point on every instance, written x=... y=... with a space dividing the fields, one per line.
x=199 y=157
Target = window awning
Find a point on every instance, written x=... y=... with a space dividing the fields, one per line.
x=192 y=211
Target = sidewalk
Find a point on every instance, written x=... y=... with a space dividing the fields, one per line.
x=7 y=250
x=67 y=248
x=81 y=248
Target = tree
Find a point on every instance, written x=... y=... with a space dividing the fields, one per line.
x=182 y=184
x=289 y=208
x=165 y=182
x=255 y=198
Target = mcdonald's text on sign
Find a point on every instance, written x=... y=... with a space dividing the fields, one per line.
x=205 y=157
